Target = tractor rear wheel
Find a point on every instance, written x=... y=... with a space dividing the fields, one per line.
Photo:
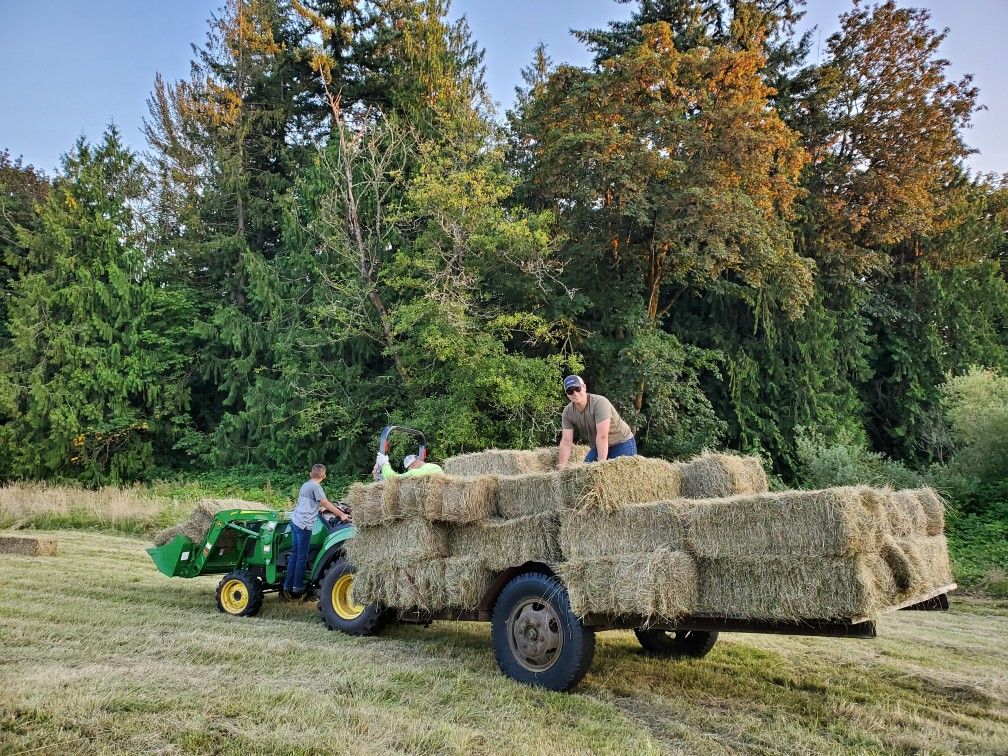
x=339 y=610
x=240 y=594
x=537 y=639
x=673 y=644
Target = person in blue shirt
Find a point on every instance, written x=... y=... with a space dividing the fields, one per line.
x=310 y=499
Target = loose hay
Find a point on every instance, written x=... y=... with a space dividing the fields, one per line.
x=22 y=546
x=657 y=585
x=400 y=543
x=795 y=588
x=522 y=495
x=642 y=527
x=833 y=522
x=615 y=482
x=458 y=499
x=714 y=476
x=500 y=544
x=201 y=519
x=510 y=461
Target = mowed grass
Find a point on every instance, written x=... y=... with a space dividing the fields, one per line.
x=101 y=653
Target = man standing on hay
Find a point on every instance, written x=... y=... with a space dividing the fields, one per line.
x=310 y=498
x=597 y=421
x=412 y=464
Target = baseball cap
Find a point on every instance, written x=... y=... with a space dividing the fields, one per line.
x=572 y=380
x=409 y=459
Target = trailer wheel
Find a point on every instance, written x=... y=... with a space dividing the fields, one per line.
x=673 y=644
x=537 y=639
x=240 y=594
x=339 y=611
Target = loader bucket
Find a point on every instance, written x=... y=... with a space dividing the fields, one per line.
x=175 y=556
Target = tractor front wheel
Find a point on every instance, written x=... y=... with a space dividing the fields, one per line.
x=672 y=644
x=240 y=594
x=336 y=602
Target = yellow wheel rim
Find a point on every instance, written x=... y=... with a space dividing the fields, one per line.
x=234 y=597
x=341 y=600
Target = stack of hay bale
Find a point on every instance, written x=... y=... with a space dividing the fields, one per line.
x=646 y=537
x=840 y=553
x=201 y=519
x=435 y=542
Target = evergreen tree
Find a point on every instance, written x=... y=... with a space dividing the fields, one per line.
x=91 y=379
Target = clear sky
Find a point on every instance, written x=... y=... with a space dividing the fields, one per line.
x=69 y=67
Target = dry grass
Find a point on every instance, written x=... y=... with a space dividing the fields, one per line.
x=458 y=499
x=523 y=495
x=100 y=660
x=500 y=544
x=660 y=584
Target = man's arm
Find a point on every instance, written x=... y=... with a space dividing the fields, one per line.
x=602 y=439
x=566 y=446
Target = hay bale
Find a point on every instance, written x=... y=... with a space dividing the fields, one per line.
x=399 y=543
x=466 y=580
x=715 y=476
x=919 y=565
x=22 y=546
x=201 y=519
x=834 y=522
x=374 y=503
x=523 y=495
x=640 y=527
x=450 y=498
x=500 y=543
x=792 y=588
x=934 y=511
x=616 y=482
x=658 y=585
x=435 y=585
x=510 y=461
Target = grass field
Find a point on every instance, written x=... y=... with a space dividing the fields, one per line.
x=101 y=653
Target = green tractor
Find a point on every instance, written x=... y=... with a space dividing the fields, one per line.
x=250 y=548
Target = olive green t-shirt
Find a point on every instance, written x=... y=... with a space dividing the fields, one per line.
x=585 y=421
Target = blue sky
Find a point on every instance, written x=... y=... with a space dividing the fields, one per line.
x=69 y=68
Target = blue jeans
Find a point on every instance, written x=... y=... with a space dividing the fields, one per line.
x=627 y=449
x=297 y=561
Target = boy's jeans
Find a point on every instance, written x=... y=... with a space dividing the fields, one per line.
x=627 y=449
x=298 y=559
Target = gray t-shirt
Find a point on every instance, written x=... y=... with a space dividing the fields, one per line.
x=307 y=509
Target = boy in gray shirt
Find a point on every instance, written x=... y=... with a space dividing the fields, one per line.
x=310 y=498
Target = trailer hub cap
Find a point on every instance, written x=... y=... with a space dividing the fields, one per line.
x=342 y=601
x=234 y=597
x=534 y=634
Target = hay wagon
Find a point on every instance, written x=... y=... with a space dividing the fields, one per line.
x=678 y=552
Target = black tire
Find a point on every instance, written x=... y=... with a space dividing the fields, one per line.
x=338 y=610
x=672 y=644
x=537 y=639
x=240 y=594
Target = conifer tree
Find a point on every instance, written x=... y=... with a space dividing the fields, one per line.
x=91 y=379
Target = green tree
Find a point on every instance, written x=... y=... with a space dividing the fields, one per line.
x=91 y=380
